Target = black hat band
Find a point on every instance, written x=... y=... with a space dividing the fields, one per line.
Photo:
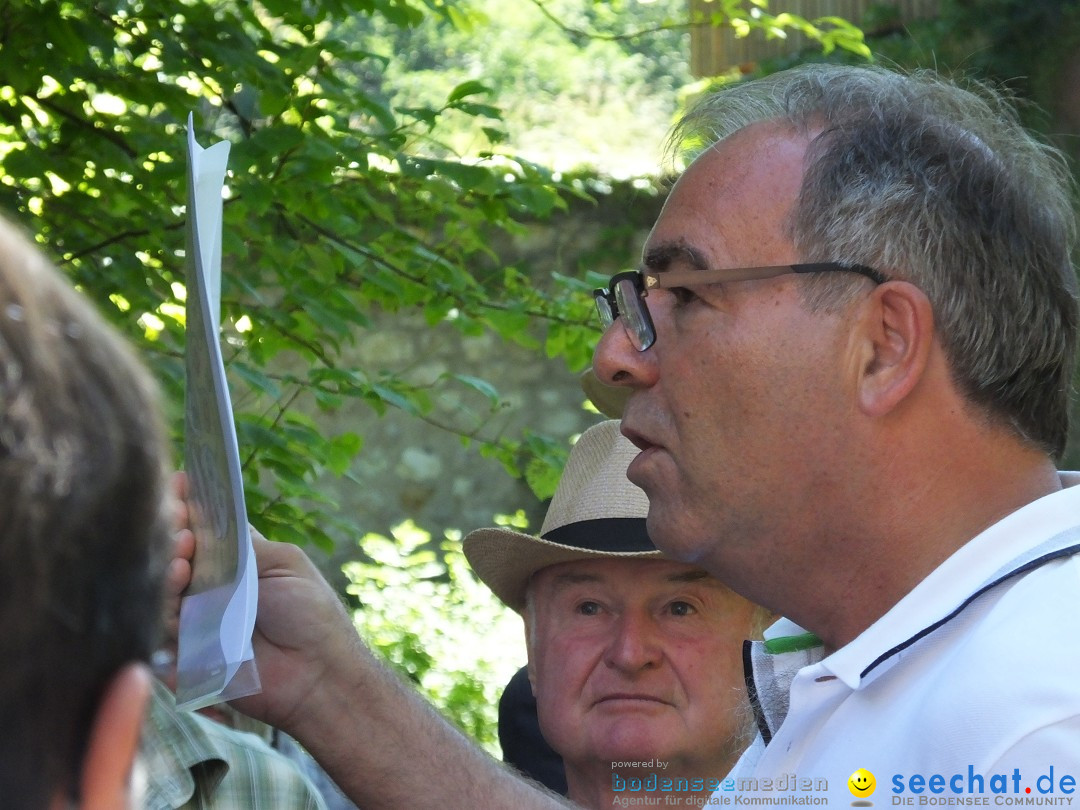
x=613 y=535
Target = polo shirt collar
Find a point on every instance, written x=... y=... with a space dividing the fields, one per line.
x=978 y=565
x=771 y=665
x=994 y=553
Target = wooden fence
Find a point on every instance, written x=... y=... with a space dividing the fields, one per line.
x=715 y=50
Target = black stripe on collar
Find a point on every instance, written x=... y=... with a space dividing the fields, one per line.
x=1038 y=562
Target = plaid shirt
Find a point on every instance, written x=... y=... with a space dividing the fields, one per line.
x=193 y=763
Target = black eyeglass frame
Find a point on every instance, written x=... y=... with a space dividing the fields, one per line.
x=643 y=333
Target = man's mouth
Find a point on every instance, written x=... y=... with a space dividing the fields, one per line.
x=631 y=697
x=639 y=440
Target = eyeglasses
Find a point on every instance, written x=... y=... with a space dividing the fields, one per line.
x=625 y=293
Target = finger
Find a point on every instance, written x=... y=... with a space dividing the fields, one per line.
x=181 y=511
x=178 y=574
x=177 y=580
x=184 y=545
x=180 y=485
x=281 y=559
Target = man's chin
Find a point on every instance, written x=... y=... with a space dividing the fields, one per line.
x=677 y=543
x=635 y=749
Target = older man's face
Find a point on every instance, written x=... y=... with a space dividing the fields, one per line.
x=740 y=407
x=636 y=660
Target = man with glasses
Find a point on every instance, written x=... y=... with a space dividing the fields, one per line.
x=858 y=432
x=625 y=293
x=870 y=438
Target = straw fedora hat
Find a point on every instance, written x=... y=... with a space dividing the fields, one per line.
x=595 y=513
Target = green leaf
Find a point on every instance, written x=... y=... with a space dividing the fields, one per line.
x=482 y=386
x=341 y=452
x=472 y=108
x=256 y=378
x=396 y=399
x=469 y=88
x=542 y=477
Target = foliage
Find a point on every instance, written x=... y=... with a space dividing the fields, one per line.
x=341 y=202
x=1021 y=44
x=567 y=99
x=581 y=83
x=830 y=32
x=334 y=210
x=429 y=616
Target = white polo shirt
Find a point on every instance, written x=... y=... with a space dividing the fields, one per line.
x=974 y=675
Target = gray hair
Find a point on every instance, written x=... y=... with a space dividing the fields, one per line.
x=941 y=186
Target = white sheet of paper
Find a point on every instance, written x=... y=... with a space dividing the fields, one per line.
x=217 y=617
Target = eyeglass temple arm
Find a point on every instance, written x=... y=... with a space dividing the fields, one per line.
x=688 y=278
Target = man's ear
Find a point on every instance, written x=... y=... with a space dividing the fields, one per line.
x=897 y=335
x=105 y=782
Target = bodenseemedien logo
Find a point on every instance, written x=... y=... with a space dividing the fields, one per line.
x=653 y=789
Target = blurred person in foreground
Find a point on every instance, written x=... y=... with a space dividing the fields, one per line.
x=635 y=660
x=849 y=351
x=84 y=541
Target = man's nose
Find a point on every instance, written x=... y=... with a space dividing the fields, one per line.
x=617 y=362
x=635 y=644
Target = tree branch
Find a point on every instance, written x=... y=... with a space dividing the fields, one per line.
x=578 y=32
x=398 y=271
x=282 y=410
x=101 y=132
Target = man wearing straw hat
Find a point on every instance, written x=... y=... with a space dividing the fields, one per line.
x=634 y=658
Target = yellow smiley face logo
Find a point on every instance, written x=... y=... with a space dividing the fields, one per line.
x=861 y=783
